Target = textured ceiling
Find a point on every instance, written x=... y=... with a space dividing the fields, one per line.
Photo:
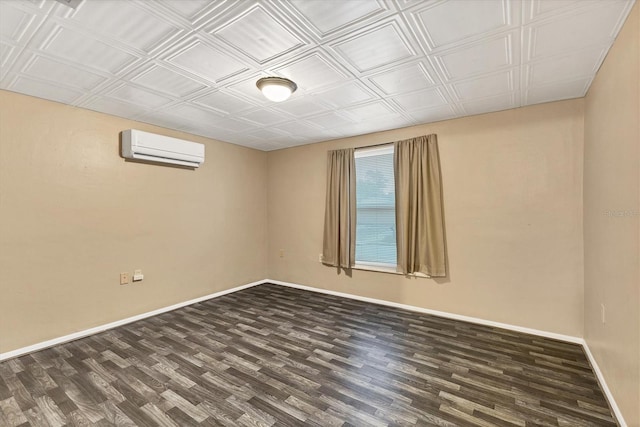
x=360 y=65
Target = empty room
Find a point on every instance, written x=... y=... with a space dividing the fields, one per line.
x=320 y=212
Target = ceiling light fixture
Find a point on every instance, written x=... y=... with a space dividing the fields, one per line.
x=276 y=89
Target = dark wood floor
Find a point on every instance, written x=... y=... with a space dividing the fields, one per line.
x=271 y=355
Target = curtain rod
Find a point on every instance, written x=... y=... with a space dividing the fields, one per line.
x=374 y=145
x=378 y=145
x=361 y=146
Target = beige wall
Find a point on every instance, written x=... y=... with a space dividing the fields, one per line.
x=513 y=207
x=73 y=215
x=611 y=243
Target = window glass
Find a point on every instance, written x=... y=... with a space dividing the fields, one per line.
x=375 y=204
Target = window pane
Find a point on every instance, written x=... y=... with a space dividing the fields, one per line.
x=375 y=204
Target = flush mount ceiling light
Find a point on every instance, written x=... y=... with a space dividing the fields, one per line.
x=276 y=89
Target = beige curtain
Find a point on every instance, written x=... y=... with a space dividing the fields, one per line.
x=419 y=208
x=339 y=246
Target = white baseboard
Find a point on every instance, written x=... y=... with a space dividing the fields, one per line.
x=80 y=334
x=546 y=334
x=603 y=385
x=477 y=320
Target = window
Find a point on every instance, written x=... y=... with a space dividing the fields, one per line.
x=360 y=229
x=376 y=207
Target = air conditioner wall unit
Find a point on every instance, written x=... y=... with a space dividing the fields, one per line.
x=146 y=146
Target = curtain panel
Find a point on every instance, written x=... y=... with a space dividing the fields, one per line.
x=420 y=234
x=339 y=243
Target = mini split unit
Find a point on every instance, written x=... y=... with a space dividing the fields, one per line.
x=150 y=147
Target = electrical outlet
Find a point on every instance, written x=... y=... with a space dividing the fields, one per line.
x=124 y=278
x=320 y=258
x=603 y=313
x=281 y=253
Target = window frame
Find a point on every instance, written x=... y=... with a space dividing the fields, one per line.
x=382 y=267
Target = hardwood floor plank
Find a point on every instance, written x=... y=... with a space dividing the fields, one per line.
x=12 y=412
x=271 y=355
